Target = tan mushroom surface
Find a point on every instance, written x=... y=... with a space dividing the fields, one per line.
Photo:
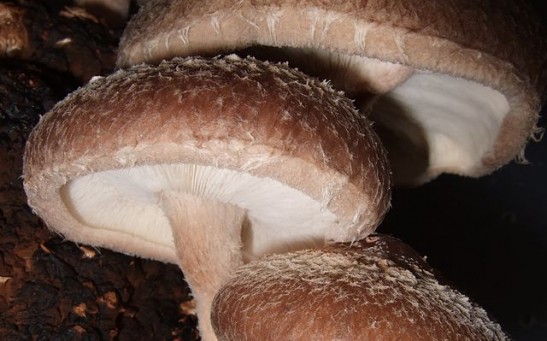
x=206 y=163
x=375 y=289
x=455 y=86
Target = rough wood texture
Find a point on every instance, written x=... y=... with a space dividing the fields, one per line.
x=65 y=39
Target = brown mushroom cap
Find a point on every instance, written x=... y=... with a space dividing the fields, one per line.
x=205 y=162
x=477 y=67
x=375 y=289
x=264 y=120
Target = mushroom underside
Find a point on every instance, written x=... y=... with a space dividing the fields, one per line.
x=278 y=218
x=433 y=124
x=430 y=123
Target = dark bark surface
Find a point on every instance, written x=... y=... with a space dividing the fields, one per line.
x=64 y=38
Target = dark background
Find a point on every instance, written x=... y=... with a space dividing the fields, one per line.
x=488 y=236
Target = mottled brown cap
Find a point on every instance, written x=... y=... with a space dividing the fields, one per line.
x=263 y=119
x=499 y=44
x=375 y=289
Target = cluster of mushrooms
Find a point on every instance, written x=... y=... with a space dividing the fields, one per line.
x=266 y=184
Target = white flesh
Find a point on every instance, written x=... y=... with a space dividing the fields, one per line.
x=458 y=119
x=279 y=218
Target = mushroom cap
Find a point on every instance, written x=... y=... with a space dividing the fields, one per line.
x=281 y=145
x=486 y=58
x=374 y=289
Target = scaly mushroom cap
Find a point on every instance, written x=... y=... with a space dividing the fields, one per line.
x=461 y=81
x=287 y=149
x=375 y=289
x=205 y=162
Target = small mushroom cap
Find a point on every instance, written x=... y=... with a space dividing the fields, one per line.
x=375 y=289
x=286 y=148
x=462 y=81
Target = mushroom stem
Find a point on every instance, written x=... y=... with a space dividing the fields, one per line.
x=207 y=235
